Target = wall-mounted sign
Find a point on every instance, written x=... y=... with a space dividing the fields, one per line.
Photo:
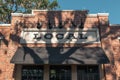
x=60 y=36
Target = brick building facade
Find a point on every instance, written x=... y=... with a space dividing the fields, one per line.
x=107 y=39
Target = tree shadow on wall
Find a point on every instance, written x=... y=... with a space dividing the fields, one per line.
x=79 y=18
x=15 y=37
x=55 y=52
x=0 y=71
x=58 y=56
x=3 y=39
x=106 y=36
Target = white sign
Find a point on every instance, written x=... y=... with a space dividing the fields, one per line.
x=60 y=36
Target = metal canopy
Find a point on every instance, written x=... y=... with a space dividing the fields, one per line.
x=59 y=55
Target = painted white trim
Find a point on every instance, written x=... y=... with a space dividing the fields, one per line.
x=57 y=10
x=45 y=29
x=91 y=15
x=42 y=30
x=22 y=15
x=5 y=24
x=103 y=14
x=17 y=14
x=32 y=14
x=118 y=38
x=112 y=25
x=39 y=10
x=28 y=15
x=98 y=36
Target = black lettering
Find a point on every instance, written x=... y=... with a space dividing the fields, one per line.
x=48 y=36
x=59 y=36
x=82 y=37
x=70 y=36
x=35 y=36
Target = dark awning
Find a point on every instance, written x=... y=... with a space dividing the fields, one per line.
x=59 y=55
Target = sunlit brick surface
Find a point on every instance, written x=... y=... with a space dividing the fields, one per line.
x=108 y=34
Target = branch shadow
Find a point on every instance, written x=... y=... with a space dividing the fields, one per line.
x=0 y=71
x=55 y=53
x=3 y=39
x=51 y=15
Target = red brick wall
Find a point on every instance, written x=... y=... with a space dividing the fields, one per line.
x=6 y=52
x=108 y=34
x=111 y=45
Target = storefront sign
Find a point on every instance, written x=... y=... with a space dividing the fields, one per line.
x=59 y=36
